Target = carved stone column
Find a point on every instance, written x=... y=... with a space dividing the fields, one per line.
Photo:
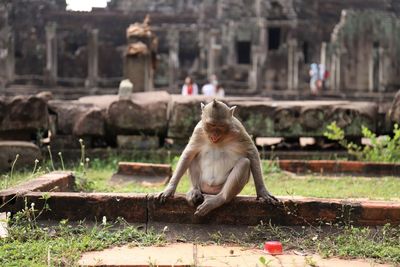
x=213 y=53
x=93 y=58
x=173 y=58
x=140 y=57
x=292 y=64
x=51 y=54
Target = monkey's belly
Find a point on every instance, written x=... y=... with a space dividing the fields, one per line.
x=216 y=165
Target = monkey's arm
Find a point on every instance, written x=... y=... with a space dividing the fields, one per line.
x=188 y=154
x=255 y=167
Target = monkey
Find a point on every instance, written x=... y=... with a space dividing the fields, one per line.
x=220 y=156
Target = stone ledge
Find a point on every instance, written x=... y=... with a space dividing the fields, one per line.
x=243 y=210
x=144 y=169
x=340 y=167
x=54 y=181
x=290 y=211
x=88 y=206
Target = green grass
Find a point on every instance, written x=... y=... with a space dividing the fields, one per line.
x=30 y=244
x=381 y=243
x=279 y=183
x=95 y=178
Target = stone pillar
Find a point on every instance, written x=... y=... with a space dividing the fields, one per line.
x=140 y=56
x=292 y=64
x=173 y=58
x=323 y=54
x=213 y=53
x=93 y=58
x=382 y=82
x=51 y=54
x=7 y=57
x=336 y=70
x=231 y=58
x=7 y=60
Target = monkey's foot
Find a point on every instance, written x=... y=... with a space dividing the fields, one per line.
x=194 y=197
x=210 y=202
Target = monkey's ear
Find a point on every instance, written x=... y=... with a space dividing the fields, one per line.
x=202 y=106
x=232 y=110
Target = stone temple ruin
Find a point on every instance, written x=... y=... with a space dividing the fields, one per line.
x=257 y=48
x=254 y=46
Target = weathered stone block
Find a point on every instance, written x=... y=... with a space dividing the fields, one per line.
x=138 y=142
x=90 y=123
x=54 y=181
x=77 y=118
x=23 y=113
x=89 y=206
x=290 y=211
x=27 y=152
x=143 y=172
x=142 y=113
x=60 y=142
x=394 y=112
x=340 y=167
x=306 y=118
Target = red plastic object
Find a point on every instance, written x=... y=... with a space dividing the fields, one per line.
x=273 y=247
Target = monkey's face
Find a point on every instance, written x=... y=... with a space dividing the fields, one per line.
x=217 y=119
x=216 y=130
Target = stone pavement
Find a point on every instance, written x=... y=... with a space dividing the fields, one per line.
x=189 y=254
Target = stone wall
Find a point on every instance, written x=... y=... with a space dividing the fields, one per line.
x=153 y=116
x=279 y=39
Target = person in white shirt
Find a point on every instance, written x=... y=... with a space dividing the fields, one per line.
x=220 y=91
x=190 y=88
x=210 y=89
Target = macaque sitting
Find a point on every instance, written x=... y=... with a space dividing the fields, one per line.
x=220 y=156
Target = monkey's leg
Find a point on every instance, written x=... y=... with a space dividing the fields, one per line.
x=194 y=196
x=237 y=179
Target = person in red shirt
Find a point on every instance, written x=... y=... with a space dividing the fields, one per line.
x=190 y=88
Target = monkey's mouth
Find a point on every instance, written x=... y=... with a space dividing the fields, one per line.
x=214 y=138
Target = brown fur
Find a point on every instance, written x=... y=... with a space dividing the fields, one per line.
x=220 y=156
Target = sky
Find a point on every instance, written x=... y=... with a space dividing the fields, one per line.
x=85 y=5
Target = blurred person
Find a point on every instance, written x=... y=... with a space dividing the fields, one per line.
x=314 y=78
x=220 y=92
x=210 y=89
x=189 y=87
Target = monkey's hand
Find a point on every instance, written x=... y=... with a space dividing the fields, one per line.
x=264 y=195
x=168 y=192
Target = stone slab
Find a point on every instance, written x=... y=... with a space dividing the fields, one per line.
x=142 y=113
x=145 y=173
x=340 y=167
x=54 y=181
x=27 y=151
x=138 y=142
x=144 y=169
x=268 y=118
x=78 y=118
x=23 y=113
x=89 y=206
x=191 y=254
x=290 y=211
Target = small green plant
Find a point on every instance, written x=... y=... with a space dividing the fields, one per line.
x=311 y=262
x=382 y=149
x=264 y=262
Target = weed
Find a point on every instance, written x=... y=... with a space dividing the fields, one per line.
x=381 y=244
x=384 y=149
x=264 y=262
x=32 y=244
